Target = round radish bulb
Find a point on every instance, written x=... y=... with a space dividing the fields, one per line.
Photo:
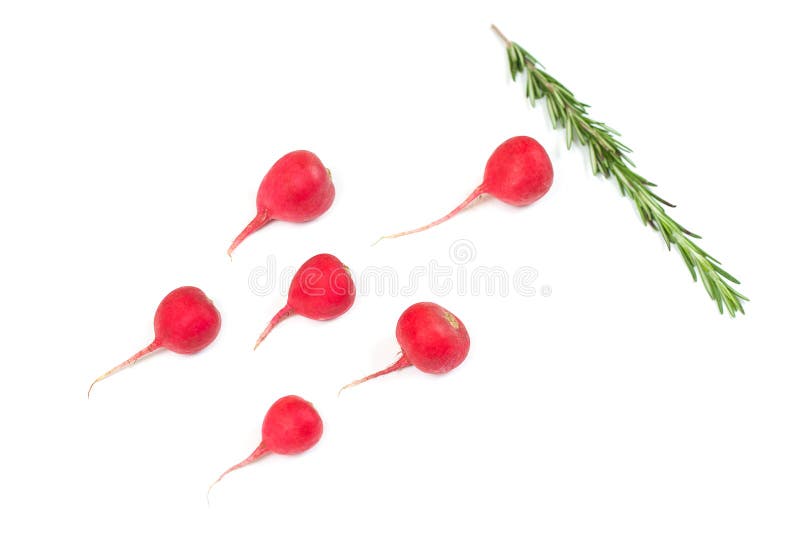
x=291 y=426
x=431 y=339
x=298 y=188
x=322 y=289
x=518 y=172
x=186 y=322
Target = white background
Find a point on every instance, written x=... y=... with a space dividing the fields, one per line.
x=132 y=142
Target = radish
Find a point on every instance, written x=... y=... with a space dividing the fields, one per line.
x=431 y=339
x=298 y=188
x=186 y=321
x=291 y=426
x=322 y=289
x=519 y=172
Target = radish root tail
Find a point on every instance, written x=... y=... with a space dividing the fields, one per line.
x=284 y=312
x=259 y=221
x=401 y=363
x=472 y=196
x=127 y=363
x=260 y=451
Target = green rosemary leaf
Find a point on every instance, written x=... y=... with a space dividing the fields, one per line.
x=569 y=129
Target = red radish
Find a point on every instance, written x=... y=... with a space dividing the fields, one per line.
x=291 y=426
x=431 y=339
x=322 y=289
x=518 y=172
x=186 y=322
x=298 y=188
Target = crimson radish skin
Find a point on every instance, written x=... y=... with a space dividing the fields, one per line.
x=322 y=289
x=186 y=322
x=297 y=188
x=291 y=426
x=431 y=338
x=519 y=172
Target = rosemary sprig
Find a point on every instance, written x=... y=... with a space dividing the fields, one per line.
x=609 y=157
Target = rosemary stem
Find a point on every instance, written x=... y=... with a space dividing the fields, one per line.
x=496 y=30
